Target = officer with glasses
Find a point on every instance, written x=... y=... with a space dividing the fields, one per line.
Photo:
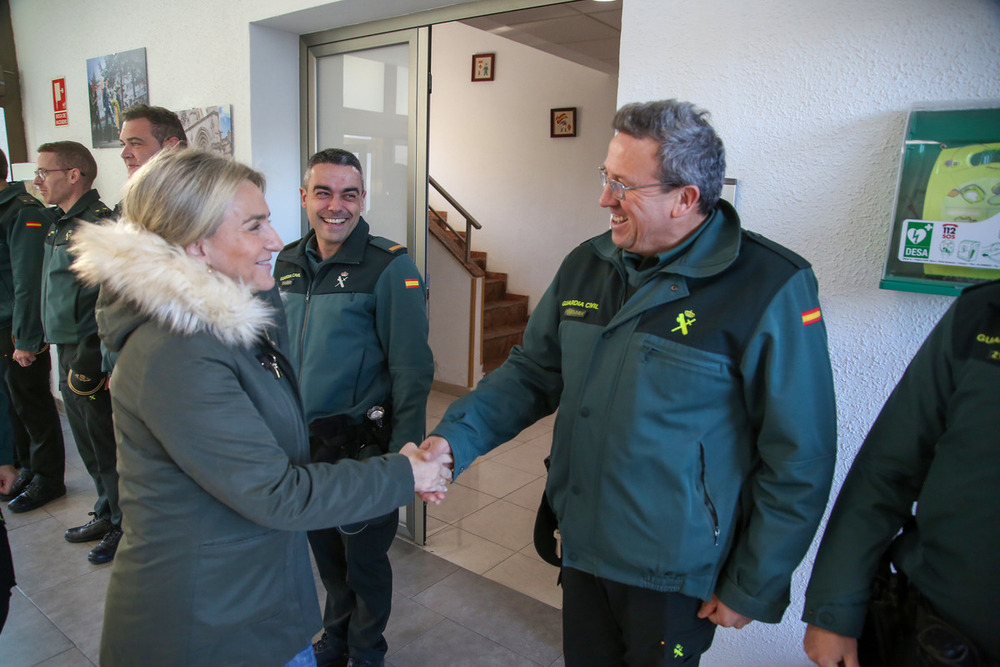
x=65 y=176
x=694 y=444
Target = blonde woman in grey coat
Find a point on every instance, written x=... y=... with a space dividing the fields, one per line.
x=216 y=487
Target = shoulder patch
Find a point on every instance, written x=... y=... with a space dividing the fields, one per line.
x=795 y=259
x=101 y=211
x=387 y=245
x=28 y=200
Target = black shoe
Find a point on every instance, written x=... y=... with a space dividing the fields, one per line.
x=37 y=494
x=327 y=654
x=105 y=551
x=20 y=484
x=94 y=529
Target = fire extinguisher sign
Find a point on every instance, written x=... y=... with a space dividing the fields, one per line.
x=59 y=101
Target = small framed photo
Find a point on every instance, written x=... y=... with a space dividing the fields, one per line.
x=483 y=66
x=562 y=122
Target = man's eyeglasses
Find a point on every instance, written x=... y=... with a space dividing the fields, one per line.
x=42 y=174
x=618 y=189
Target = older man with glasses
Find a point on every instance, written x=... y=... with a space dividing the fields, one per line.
x=694 y=445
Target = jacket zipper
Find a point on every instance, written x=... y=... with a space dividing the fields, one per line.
x=50 y=249
x=708 y=499
x=305 y=323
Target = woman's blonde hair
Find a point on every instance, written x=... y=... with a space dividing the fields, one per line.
x=182 y=195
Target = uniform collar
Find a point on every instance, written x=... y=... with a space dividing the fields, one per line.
x=716 y=246
x=11 y=191
x=89 y=197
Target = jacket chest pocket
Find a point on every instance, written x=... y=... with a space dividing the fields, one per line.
x=679 y=377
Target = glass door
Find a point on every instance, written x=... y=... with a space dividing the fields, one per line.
x=369 y=95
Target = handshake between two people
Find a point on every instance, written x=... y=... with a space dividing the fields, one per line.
x=432 y=467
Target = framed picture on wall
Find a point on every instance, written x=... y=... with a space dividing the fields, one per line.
x=483 y=66
x=116 y=82
x=562 y=122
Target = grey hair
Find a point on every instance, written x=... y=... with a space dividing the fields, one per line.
x=690 y=151
x=182 y=196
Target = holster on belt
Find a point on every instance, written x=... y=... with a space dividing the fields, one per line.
x=332 y=439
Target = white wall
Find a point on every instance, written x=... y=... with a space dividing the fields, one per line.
x=450 y=303
x=810 y=98
x=535 y=196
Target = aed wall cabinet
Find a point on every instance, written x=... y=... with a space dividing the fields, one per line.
x=945 y=232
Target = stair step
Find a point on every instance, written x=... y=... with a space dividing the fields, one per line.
x=497 y=342
x=478 y=257
x=495 y=289
x=505 y=311
x=492 y=365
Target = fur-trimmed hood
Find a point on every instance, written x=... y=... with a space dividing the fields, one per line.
x=162 y=282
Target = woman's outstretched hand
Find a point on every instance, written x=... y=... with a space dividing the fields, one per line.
x=431 y=471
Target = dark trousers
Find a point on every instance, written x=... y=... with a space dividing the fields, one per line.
x=38 y=439
x=90 y=420
x=353 y=563
x=608 y=624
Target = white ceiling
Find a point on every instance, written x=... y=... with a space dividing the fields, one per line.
x=585 y=32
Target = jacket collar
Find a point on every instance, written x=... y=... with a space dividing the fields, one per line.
x=717 y=246
x=89 y=197
x=167 y=285
x=11 y=191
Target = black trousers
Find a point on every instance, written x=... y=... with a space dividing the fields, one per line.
x=90 y=420
x=608 y=624
x=353 y=563
x=38 y=439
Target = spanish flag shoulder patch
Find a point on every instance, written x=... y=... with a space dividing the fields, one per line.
x=32 y=223
x=411 y=283
x=811 y=316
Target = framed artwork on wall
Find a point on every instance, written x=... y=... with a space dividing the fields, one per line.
x=562 y=122
x=116 y=82
x=483 y=66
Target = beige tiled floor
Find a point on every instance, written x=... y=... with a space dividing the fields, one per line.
x=485 y=524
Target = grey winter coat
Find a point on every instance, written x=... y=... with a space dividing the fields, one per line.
x=216 y=488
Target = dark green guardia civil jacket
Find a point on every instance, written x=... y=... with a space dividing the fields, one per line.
x=358 y=331
x=23 y=225
x=936 y=443
x=67 y=304
x=695 y=440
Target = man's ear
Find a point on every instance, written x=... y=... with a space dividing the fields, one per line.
x=688 y=201
x=171 y=142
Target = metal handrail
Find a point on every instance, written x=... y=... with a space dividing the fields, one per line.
x=470 y=221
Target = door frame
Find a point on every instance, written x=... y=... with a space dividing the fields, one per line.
x=415 y=29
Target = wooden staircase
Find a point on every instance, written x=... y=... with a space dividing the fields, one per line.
x=505 y=315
